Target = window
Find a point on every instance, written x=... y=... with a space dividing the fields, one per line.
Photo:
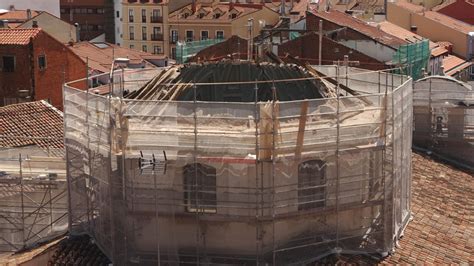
x=233 y=15
x=144 y=48
x=174 y=36
x=8 y=63
x=144 y=34
x=63 y=11
x=117 y=14
x=311 y=185
x=132 y=46
x=100 y=11
x=219 y=34
x=42 y=62
x=90 y=11
x=189 y=35
x=173 y=52
x=131 y=33
x=156 y=13
x=143 y=15
x=157 y=49
x=204 y=35
x=130 y=15
x=200 y=188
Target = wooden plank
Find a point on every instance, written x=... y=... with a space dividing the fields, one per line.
x=301 y=129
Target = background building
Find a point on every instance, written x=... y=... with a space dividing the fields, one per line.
x=95 y=18
x=144 y=26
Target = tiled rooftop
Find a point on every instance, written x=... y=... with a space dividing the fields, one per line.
x=207 y=13
x=442 y=229
x=453 y=63
x=17 y=36
x=101 y=55
x=32 y=123
x=345 y=20
x=432 y=15
x=17 y=15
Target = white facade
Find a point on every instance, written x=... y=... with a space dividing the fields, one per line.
x=51 y=6
x=118 y=22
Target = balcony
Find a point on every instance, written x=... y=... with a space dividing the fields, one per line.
x=156 y=19
x=157 y=37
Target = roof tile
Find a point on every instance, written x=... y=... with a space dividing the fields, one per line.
x=17 y=36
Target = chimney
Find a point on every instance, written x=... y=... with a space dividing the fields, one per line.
x=12 y=8
x=413 y=28
x=28 y=14
x=35 y=24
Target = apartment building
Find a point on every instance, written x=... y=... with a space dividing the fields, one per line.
x=202 y=20
x=95 y=18
x=145 y=23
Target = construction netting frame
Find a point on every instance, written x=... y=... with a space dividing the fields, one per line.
x=231 y=183
x=412 y=58
x=444 y=118
x=33 y=207
x=186 y=50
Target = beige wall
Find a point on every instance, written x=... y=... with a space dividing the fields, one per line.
x=137 y=24
x=428 y=28
x=210 y=26
x=427 y=3
x=59 y=29
x=239 y=25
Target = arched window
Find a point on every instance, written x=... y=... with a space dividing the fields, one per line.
x=200 y=188
x=311 y=184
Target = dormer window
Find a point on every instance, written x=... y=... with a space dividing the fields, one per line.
x=216 y=15
x=233 y=15
x=201 y=15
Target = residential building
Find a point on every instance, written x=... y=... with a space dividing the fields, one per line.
x=118 y=22
x=355 y=34
x=94 y=17
x=306 y=48
x=145 y=23
x=34 y=65
x=50 y=6
x=54 y=26
x=458 y=9
x=216 y=20
x=434 y=26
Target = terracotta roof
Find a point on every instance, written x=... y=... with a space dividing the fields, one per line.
x=402 y=33
x=78 y=250
x=17 y=15
x=17 y=36
x=442 y=19
x=101 y=55
x=440 y=50
x=358 y=25
x=442 y=230
x=33 y=123
x=453 y=63
x=209 y=11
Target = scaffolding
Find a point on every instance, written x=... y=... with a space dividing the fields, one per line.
x=444 y=118
x=186 y=50
x=274 y=182
x=33 y=196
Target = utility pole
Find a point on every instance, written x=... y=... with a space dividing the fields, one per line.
x=320 y=40
x=250 y=42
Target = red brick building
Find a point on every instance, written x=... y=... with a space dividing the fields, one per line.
x=95 y=17
x=33 y=66
x=306 y=48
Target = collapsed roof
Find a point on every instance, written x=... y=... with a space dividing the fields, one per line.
x=233 y=81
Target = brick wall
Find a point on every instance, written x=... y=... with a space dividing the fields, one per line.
x=21 y=79
x=307 y=48
x=62 y=65
x=41 y=84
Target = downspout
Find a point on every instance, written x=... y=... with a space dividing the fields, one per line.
x=32 y=69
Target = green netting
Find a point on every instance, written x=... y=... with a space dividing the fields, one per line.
x=294 y=35
x=186 y=50
x=412 y=58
